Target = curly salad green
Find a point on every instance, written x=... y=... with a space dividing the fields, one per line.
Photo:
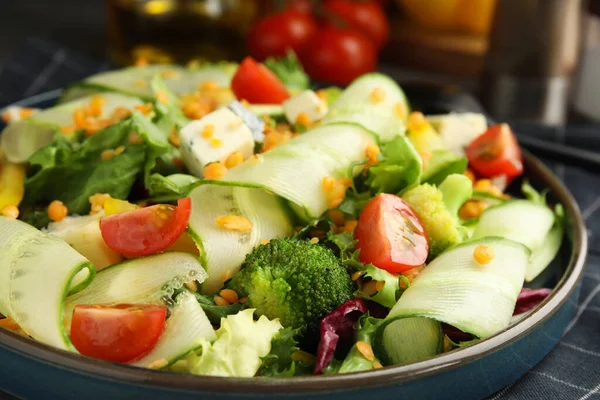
x=156 y=217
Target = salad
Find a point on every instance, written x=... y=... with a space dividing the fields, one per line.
x=227 y=220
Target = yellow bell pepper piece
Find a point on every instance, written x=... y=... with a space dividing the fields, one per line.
x=116 y=206
x=12 y=182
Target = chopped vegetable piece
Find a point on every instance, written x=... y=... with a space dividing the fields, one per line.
x=147 y=230
x=257 y=84
x=390 y=235
x=122 y=333
x=337 y=327
x=496 y=152
x=530 y=298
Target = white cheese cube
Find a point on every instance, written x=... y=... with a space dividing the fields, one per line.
x=305 y=102
x=229 y=134
x=458 y=130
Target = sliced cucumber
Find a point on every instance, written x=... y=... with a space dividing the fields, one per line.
x=519 y=220
x=21 y=139
x=224 y=250
x=356 y=105
x=135 y=81
x=528 y=223
x=544 y=255
x=271 y=110
x=37 y=272
x=358 y=94
x=144 y=280
x=406 y=340
x=455 y=289
x=184 y=331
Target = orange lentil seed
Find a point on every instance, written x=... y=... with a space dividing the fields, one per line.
x=483 y=254
x=174 y=138
x=119 y=150
x=214 y=171
x=208 y=86
x=469 y=174
x=401 y=110
x=57 y=211
x=141 y=62
x=107 y=155
x=26 y=112
x=169 y=74
x=234 y=159
x=67 y=129
x=134 y=138
x=314 y=240
x=10 y=211
x=208 y=131
x=322 y=94
x=266 y=241
x=162 y=97
x=230 y=295
x=303 y=119
x=350 y=225
x=366 y=350
x=416 y=121
x=144 y=108
x=357 y=274
x=6 y=117
x=337 y=217
x=472 y=209
x=234 y=223
x=219 y=301
x=378 y=95
x=370 y=288
x=372 y=151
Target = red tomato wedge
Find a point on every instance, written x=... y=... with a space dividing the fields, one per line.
x=258 y=84
x=495 y=153
x=390 y=235
x=146 y=230
x=122 y=333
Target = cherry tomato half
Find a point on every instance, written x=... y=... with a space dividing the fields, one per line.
x=366 y=17
x=336 y=55
x=258 y=84
x=495 y=153
x=122 y=333
x=277 y=33
x=146 y=230
x=390 y=235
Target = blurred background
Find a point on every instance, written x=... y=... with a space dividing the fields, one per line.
x=530 y=60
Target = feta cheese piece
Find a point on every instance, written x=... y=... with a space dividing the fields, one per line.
x=305 y=102
x=458 y=130
x=256 y=125
x=213 y=138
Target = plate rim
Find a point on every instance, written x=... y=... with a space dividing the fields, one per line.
x=387 y=376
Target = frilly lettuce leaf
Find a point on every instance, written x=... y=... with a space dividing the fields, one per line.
x=240 y=345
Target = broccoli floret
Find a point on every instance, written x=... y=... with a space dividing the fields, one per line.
x=295 y=281
x=437 y=207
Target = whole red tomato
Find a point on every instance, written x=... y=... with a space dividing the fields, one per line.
x=366 y=17
x=279 y=32
x=338 y=55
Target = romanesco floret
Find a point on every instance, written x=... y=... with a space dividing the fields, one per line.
x=295 y=281
x=437 y=207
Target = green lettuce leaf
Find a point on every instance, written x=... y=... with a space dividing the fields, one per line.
x=345 y=245
x=289 y=70
x=442 y=164
x=240 y=345
x=213 y=312
x=399 y=169
x=365 y=331
x=171 y=187
x=72 y=172
x=280 y=361
x=169 y=112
